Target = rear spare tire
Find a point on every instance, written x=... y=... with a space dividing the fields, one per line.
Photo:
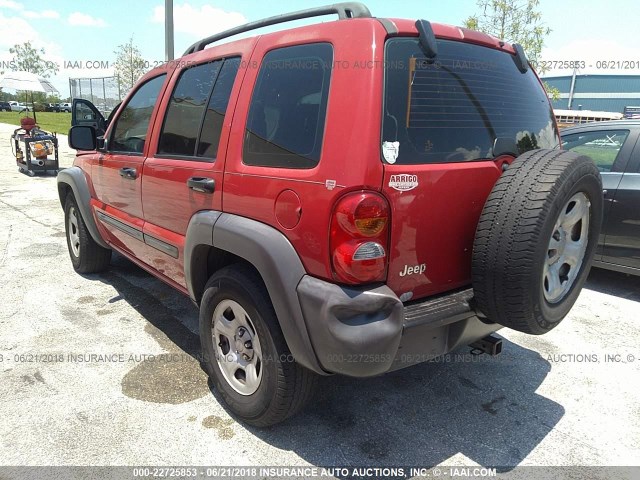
x=536 y=239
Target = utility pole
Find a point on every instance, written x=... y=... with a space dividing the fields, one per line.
x=168 y=30
x=572 y=88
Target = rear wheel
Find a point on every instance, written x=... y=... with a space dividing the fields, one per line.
x=536 y=239
x=245 y=353
x=86 y=255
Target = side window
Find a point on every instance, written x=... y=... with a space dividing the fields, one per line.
x=602 y=146
x=285 y=126
x=130 y=131
x=186 y=107
x=216 y=109
x=83 y=112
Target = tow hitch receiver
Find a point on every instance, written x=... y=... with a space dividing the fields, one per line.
x=489 y=344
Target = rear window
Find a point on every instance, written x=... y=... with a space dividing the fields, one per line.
x=453 y=108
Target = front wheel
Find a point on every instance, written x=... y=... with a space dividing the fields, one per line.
x=86 y=255
x=245 y=353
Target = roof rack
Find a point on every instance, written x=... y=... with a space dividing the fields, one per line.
x=343 y=10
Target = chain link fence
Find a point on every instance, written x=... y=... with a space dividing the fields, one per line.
x=103 y=92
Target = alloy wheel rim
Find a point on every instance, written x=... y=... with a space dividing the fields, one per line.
x=567 y=248
x=238 y=350
x=74 y=235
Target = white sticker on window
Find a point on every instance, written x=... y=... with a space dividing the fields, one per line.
x=403 y=182
x=390 y=151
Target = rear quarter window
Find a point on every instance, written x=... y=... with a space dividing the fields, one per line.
x=285 y=126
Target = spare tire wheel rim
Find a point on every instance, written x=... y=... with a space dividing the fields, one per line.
x=238 y=350
x=567 y=248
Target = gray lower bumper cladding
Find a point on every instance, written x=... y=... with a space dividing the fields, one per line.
x=366 y=332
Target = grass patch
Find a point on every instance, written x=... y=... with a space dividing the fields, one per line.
x=48 y=121
x=603 y=157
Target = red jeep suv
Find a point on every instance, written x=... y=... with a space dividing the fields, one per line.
x=350 y=197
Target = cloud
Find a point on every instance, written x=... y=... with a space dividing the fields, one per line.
x=42 y=14
x=14 y=30
x=84 y=20
x=18 y=30
x=10 y=4
x=199 y=22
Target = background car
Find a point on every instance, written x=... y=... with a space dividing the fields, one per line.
x=615 y=149
x=5 y=106
x=52 y=107
x=19 y=107
x=65 y=107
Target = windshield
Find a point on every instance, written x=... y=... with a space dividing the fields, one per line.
x=453 y=108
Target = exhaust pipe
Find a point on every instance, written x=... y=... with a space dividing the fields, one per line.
x=40 y=163
x=489 y=344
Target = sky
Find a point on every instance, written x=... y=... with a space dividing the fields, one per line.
x=81 y=34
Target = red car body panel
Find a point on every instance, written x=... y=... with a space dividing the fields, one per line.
x=351 y=147
x=433 y=224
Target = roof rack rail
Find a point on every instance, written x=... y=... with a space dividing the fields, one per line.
x=343 y=10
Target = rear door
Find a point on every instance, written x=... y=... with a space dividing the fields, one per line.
x=184 y=171
x=622 y=241
x=610 y=148
x=441 y=120
x=117 y=172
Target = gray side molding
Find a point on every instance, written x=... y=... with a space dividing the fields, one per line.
x=74 y=178
x=270 y=253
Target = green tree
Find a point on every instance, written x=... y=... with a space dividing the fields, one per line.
x=129 y=65
x=30 y=59
x=515 y=21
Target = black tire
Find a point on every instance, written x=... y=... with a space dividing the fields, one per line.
x=285 y=386
x=512 y=243
x=90 y=257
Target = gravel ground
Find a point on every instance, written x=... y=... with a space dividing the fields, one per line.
x=568 y=398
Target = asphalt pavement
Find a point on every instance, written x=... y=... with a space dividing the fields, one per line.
x=102 y=370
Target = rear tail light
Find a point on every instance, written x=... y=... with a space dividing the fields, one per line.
x=359 y=237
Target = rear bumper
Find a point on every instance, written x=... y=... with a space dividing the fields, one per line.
x=365 y=332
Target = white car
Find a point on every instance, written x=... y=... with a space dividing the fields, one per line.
x=18 y=107
x=65 y=107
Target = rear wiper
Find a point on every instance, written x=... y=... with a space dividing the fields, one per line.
x=427 y=38
x=521 y=59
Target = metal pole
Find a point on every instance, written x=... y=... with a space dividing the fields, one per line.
x=571 y=89
x=168 y=30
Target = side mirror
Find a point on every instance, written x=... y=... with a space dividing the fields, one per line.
x=82 y=137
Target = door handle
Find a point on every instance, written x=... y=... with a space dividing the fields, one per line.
x=202 y=184
x=128 y=172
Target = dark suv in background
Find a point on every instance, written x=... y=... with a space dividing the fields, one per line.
x=5 y=107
